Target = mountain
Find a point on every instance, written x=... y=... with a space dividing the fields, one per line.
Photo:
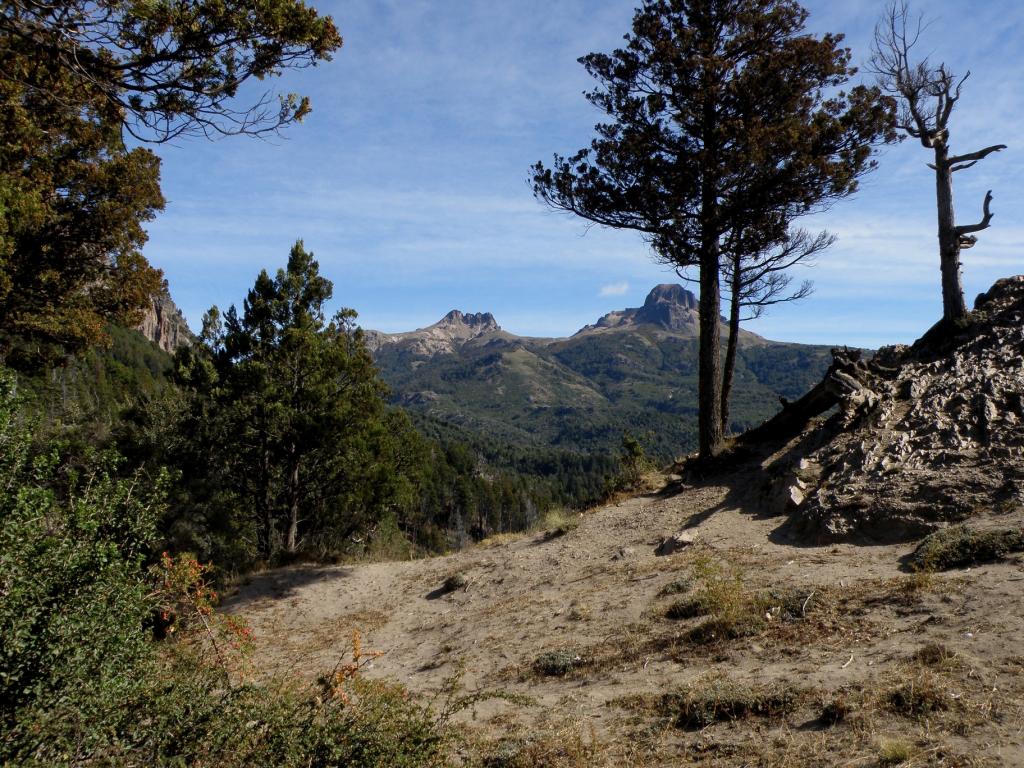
x=633 y=369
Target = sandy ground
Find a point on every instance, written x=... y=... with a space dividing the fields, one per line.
x=596 y=592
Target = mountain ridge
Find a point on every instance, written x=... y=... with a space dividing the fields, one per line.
x=633 y=370
x=669 y=307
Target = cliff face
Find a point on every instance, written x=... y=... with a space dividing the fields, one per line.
x=164 y=324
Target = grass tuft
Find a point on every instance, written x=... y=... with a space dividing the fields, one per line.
x=935 y=655
x=719 y=699
x=837 y=710
x=557 y=663
x=921 y=694
x=895 y=752
x=677 y=587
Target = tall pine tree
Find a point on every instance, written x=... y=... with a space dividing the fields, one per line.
x=724 y=117
x=289 y=412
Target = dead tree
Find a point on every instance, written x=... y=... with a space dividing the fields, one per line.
x=926 y=95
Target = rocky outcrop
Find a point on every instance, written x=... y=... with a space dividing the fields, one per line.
x=927 y=435
x=164 y=325
x=669 y=307
x=445 y=336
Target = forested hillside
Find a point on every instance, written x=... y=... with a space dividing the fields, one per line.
x=634 y=371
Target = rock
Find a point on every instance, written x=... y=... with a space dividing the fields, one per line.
x=164 y=325
x=624 y=553
x=926 y=436
x=796 y=496
x=676 y=543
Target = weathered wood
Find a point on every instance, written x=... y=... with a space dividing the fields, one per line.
x=842 y=385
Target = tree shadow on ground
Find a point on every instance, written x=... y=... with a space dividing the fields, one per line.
x=284 y=582
x=754 y=481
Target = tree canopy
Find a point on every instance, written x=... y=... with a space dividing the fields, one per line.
x=726 y=122
x=76 y=79
x=295 y=433
x=168 y=67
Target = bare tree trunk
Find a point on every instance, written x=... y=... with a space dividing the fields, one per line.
x=729 y=367
x=953 y=306
x=709 y=422
x=292 y=541
x=266 y=518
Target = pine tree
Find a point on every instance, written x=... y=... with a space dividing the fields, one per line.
x=723 y=117
x=292 y=411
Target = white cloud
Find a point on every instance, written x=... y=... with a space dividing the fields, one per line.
x=614 y=289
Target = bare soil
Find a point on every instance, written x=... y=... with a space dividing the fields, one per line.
x=838 y=629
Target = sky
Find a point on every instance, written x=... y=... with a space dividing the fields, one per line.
x=409 y=180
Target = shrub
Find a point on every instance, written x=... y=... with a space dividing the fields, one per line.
x=557 y=663
x=719 y=699
x=960 y=546
x=633 y=465
x=81 y=681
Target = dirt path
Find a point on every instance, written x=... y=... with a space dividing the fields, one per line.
x=596 y=592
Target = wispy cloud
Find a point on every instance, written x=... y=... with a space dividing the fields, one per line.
x=614 y=289
x=408 y=181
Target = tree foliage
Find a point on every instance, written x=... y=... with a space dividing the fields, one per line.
x=168 y=68
x=73 y=201
x=83 y=682
x=75 y=78
x=725 y=123
x=290 y=412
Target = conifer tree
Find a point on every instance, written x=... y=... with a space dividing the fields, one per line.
x=290 y=410
x=76 y=78
x=724 y=116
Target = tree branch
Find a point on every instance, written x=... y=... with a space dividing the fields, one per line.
x=974 y=157
x=984 y=223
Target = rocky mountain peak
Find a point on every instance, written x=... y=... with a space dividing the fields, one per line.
x=669 y=306
x=481 y=322
x=670 y=293
x=445 y=336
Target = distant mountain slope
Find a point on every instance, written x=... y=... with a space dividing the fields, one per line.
x=634 y=369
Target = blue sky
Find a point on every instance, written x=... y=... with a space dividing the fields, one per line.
x=408 y=181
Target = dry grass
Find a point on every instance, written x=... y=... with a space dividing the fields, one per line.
x=556 y=522
x=895 y=752
x=717 y=698
x=562 y=745
x=499 y=540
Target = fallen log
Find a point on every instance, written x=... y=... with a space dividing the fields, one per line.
x=843 y=385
